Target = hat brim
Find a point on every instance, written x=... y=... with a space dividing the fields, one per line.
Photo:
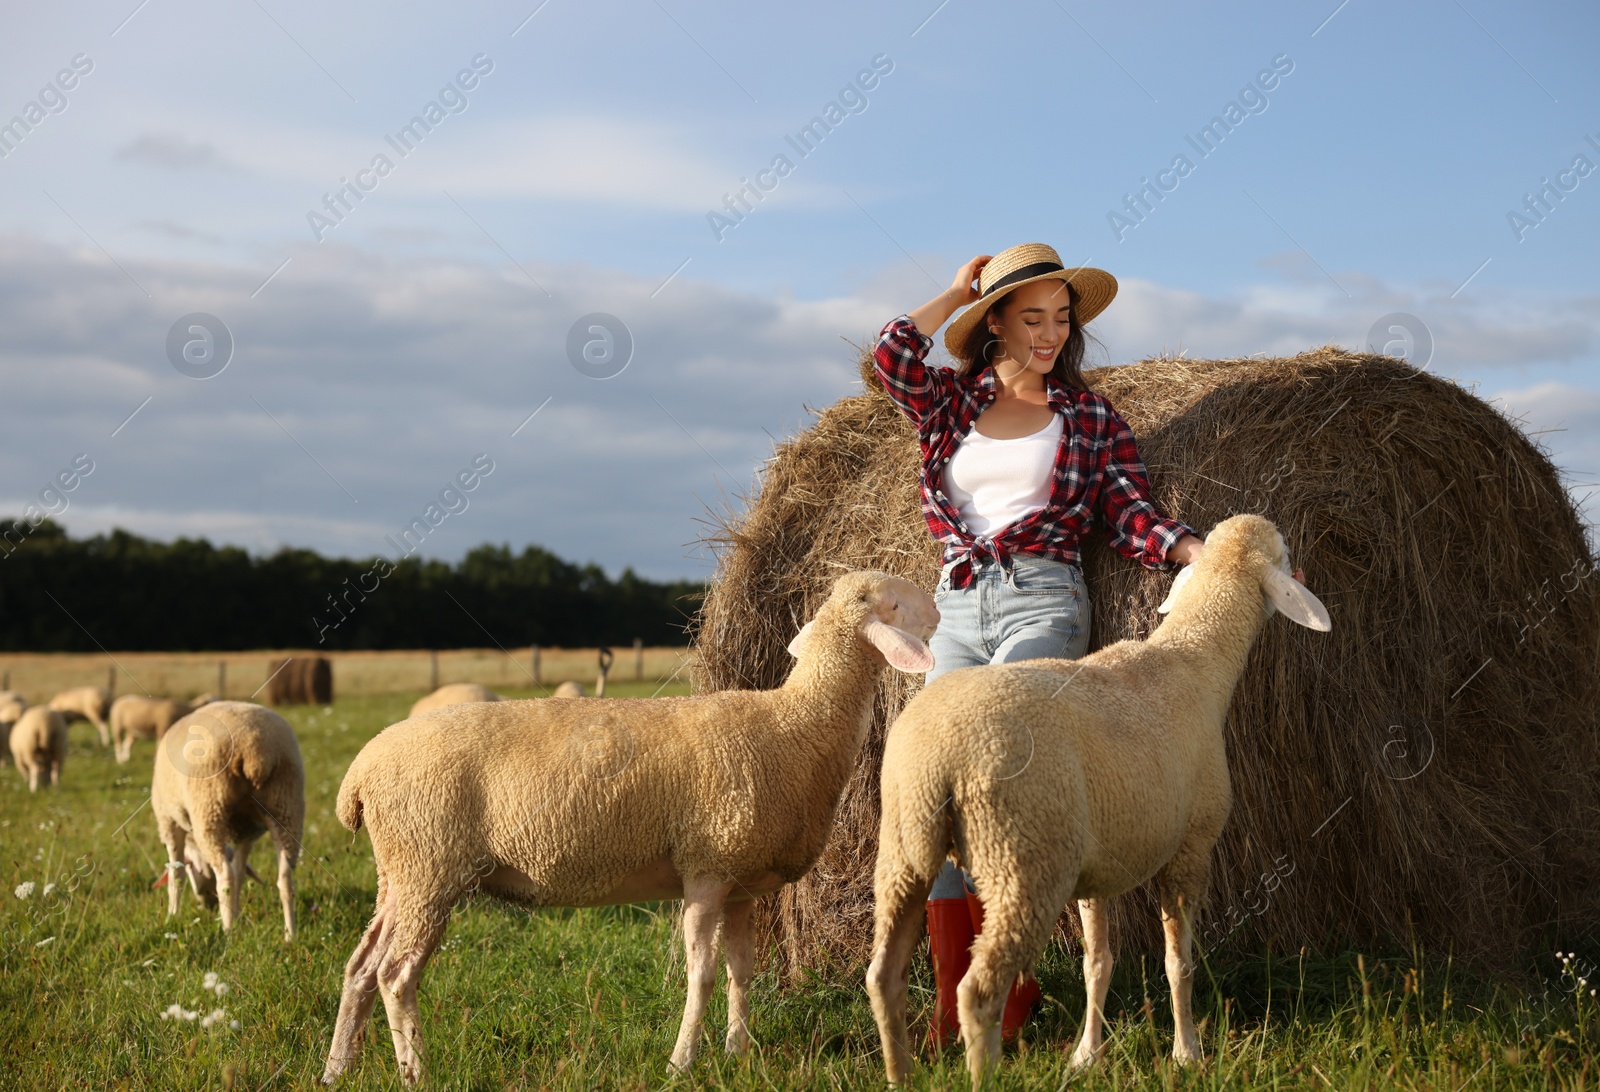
x=1095 y=288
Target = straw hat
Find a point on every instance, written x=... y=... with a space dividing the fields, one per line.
x=1020 y=265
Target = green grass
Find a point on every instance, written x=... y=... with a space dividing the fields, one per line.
x=582 y=999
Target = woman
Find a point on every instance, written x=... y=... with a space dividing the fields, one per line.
x=1018 y=459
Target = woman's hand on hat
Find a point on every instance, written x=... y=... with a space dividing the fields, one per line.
x=963 y=288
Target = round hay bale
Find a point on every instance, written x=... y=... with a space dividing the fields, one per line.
x=1428 y=769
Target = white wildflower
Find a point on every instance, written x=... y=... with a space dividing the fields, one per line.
x=217 y=1016
x=24 y=889
x=234 y=1024
x=43 y=942
x=221 y=988
x=170 y=936
x=49 y=887
x=210 y=979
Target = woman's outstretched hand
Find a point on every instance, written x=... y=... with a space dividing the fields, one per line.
x=962 y=291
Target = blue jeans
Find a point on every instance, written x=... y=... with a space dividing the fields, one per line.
x=1041 y=609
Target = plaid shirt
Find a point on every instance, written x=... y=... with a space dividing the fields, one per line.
x=1097 y=468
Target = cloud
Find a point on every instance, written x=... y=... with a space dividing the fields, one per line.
x=170 y=151
x=361 y=383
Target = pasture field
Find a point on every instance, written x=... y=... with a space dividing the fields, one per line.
x=238 y=675
x=584 y=999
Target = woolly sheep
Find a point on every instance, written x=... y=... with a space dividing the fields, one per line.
x=12 y=706
x=1074 y=779
x=715 y=799
x=450 y=694
x=90 y=703
x=38 y=744
x=570 y=689
x=134 y=717
x=225 y=775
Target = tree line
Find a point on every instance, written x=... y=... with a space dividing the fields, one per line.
x=120 y=591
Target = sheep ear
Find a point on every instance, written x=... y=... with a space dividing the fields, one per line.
x=1177 y=585
x=905 y=651
x=1296 y=601
x=798 y=645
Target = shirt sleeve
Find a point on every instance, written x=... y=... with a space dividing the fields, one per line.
x=898 y=359
x=1136 y=528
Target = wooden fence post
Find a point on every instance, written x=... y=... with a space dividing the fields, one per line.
x=222 y=679
x=433 y=670
x=536 y=680
x=638 y=659
x=111 y=679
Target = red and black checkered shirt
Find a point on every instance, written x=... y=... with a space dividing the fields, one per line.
x=1097 y=468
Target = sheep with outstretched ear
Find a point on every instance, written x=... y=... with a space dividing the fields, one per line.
x=714 y=799
x=1051 y=780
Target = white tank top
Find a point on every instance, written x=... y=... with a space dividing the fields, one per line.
x=994 y=483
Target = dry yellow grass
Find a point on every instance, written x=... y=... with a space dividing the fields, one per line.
x=40 y=675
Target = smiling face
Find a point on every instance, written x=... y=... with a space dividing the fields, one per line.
x=1032 y=323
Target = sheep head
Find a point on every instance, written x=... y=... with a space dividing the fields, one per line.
x=1256 y=540
x=892 y=615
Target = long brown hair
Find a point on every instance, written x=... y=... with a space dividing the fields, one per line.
x=1068 y=368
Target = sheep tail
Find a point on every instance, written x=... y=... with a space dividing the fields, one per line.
x=348 y=807
x=257 y=767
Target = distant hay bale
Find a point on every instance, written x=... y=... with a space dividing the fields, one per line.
x=1428 y=769
x=300 y=680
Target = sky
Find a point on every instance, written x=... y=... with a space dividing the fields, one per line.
x=392 y=304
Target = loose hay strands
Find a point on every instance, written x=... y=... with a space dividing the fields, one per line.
x=1428 y=770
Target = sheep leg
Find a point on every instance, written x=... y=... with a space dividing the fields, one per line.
x=1096 y=979
x=1015 y=932
x=902 y=906
x=1175 y=911
x=215 y=852
x=286 y=888
x=104 y=730
x=419 y=926
x=703 y=900
x=172 y=836
x=33 y=778
x=739 y=949
x=360 y=986
x=241 y=855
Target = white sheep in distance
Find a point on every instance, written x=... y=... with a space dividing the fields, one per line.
x=38 y=745
x=225 y=775
x=134 y=717
x=1073 y=779
x=714 y=798
x=450 y=694
x=570 y=689
x=90 y=703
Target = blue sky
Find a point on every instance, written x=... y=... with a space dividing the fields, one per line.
x=577 y=174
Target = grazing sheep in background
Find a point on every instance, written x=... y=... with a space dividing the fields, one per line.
x=38 y=745
x=225 y=775
x=715 y=799
x=450 y=694
x=134 y=717
x=1074 y=779
x=90 y=703
x=12 y=706
x=570 y=689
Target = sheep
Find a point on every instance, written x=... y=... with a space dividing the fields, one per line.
x=714 y=799
x=133 y=717
x=451 y=693
x=570 y=689
x=90 y=703
x=38 y=744
x=1073 y=779
x=225 y=775
x=12 y=706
